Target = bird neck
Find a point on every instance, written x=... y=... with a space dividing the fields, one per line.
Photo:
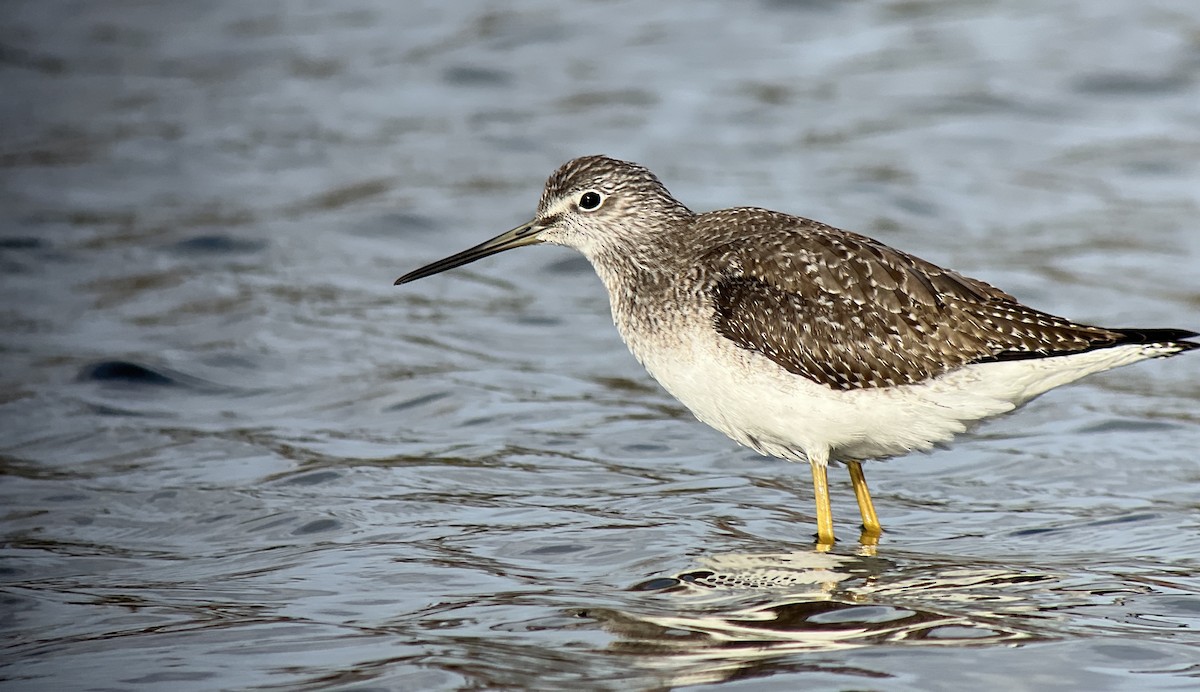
x=647 y=293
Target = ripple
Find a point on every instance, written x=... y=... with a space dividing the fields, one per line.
x=217 y=244
x=133 y=375
x=126 y=372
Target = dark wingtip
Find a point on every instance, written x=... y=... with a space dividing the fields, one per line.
x=1175 y=337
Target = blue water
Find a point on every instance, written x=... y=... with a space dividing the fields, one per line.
x=235 y=456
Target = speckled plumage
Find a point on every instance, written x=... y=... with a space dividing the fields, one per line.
x=802 y=340
x=848 y=312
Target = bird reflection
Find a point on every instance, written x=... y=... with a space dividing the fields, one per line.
x=746 y=615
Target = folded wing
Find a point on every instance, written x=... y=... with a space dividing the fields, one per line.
x=848 y=312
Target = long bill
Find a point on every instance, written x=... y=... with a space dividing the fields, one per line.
x=525 y=234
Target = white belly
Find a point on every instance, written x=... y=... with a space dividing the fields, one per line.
x=777 y=413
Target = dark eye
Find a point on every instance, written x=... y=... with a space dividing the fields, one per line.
x=590 y=200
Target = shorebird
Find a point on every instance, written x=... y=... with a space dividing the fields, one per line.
x=804 y=341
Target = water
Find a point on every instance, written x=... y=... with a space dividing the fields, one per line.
x=234 y=456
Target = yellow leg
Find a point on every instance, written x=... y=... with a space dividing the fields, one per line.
x=820 y=474
x=870 y=521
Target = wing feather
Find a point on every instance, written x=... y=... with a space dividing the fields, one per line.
x=849 y=312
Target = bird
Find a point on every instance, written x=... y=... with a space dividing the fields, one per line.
x=803 y=341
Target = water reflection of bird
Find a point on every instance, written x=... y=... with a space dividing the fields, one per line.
x=804 y=341
x=738 y=615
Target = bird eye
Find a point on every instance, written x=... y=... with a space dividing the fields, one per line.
x=590 y=200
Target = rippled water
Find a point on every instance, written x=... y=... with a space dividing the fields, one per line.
x=234 y=456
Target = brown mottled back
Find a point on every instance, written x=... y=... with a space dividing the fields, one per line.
x=848 y=312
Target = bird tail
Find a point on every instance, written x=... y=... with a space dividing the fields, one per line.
x=1169 y=341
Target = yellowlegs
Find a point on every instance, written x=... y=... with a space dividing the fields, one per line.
x=801 y=340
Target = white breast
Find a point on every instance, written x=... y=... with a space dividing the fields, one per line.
x=777 y=413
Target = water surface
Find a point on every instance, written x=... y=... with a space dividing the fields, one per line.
x=234 y=456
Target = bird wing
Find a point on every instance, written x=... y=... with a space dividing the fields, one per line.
x=849 y=312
